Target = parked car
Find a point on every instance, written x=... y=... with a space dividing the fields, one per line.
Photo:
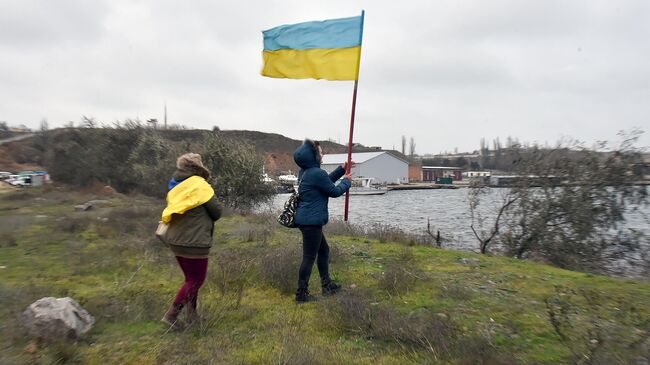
x=18 y=180
x=4 y=175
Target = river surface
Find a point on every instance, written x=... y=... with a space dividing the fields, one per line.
x=448 y=211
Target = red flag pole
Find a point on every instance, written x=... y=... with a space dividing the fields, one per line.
x=354 y=107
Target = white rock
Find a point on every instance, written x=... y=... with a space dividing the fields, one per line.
x=57 y=318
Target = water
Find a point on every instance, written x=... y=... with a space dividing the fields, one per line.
x=448 y=211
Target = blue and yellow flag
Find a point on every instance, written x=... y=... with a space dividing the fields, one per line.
x=329 y=49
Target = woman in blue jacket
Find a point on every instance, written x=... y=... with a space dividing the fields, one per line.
x=316 y=187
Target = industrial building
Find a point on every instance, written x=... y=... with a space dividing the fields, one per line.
x=384 y=167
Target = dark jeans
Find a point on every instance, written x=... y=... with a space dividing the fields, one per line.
x=314 y=248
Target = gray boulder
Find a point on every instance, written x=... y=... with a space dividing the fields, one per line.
x=56 y=319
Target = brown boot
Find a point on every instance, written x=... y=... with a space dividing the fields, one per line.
x=171 y=318
x=192 y=316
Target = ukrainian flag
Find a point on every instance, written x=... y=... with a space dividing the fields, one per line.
x=329 y=49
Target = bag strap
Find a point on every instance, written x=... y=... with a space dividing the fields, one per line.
x=300 y=181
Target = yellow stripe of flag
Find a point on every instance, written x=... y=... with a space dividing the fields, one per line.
x=315 y=63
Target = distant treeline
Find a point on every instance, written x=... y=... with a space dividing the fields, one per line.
x=133 y=158
x=506 y=158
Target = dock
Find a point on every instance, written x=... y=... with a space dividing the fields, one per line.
x=420 y=186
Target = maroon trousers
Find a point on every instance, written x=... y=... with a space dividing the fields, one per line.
x=195 y=271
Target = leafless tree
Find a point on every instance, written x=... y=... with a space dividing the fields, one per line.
x=412 y=147
x=567 y=206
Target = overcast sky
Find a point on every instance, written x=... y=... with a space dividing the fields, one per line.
x=444 y=72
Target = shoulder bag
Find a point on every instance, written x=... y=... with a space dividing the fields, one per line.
x=288 y=216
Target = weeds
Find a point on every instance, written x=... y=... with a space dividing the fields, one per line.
x=254 y=232
x=358 y=312
x=74 y=224
x=401 y=275
x=279 y=267
x=232 y=272
x=7 y=239
x=455 y=291
x=577 y=317
x=292 y=349
x=341 y=228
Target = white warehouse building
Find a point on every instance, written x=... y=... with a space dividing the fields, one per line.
x=383 y=166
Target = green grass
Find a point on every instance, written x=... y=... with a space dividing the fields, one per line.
x=496 y=306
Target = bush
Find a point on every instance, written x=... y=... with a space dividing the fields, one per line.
x=237 y=172
x=568 y=206
x=342 y=228
x=577 y=318
x=231 y=272
x=252 y=232
x=73 y=224
x=357 y=311
x=279 y=267
x=131 y=158
x=7 y=239
x=401 y=275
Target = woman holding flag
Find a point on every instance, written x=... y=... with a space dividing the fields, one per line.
x=315 y=189
x=192 y=209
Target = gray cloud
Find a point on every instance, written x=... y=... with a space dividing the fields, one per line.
x=445 y=73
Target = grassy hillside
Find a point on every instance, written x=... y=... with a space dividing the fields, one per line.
x=276 y=150
x=401 y=305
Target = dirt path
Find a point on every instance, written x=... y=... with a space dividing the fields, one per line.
x=16 y=138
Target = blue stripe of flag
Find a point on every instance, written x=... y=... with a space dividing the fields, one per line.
x=333 y=33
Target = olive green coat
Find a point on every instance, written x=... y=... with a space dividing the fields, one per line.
x=190 y=234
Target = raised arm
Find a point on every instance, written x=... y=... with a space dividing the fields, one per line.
x=325 y=185
x=337 y=173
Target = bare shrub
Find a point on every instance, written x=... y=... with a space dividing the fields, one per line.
x=358 y=312
x=577 y=318
x=73 y=224
x=351 y=310
x=13 y=302
x=342 y=228
x=7 y=239
x=337 y=255
x=431 y=332
x=63 y=352
x=477 y=349
x=381 y=232
x=134 y=220
x=567 y=206
x=17 y=196
x=254 y=232
x=139 y=301
x=401 y=275
x=456 y=291
x=388 y=233
x=232 y=272
x=279 y=267
x=212 y=314
x=292 y=349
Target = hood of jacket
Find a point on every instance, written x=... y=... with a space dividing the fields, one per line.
x=306 y=156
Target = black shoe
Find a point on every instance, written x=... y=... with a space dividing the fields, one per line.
x=331 y=288
x=302 y=296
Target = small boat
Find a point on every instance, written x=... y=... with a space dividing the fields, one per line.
x=267 y=180
x=364 y=186
x=288 y=179
x=286 y=183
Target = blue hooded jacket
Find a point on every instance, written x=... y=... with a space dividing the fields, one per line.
x=316 y=186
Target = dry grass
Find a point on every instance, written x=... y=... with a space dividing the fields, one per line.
x=7 y=239
x=279 y=267
x=402 y=274
x=430 y=337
